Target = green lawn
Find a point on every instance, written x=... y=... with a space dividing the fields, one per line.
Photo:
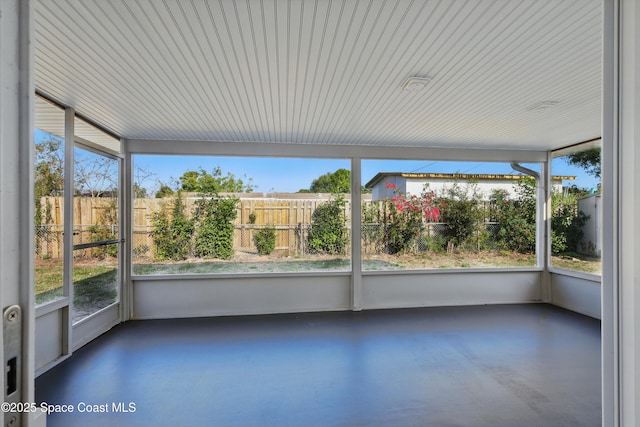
x=92 y=283
x=95 y=284
x=577 y=263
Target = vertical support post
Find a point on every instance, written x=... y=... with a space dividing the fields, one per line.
x=126 y=232
x=622 y=278
x=356 y=234
x=610 y=186
x=67 y=239
x=545 y=189
x=16 y=185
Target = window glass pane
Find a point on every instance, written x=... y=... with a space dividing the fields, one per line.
x=49 y=201
x=429 y=214
x=95 y=280
x=204 y=215
x=576 y=224
x=95 y=215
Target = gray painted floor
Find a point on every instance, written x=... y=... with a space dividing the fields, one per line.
x=509 y=365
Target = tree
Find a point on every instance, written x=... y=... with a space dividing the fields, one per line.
x=164 y=191
x=49 y=168
x=215 y=182
x=139 y=177
x=332 y=182
x=94 y=175
x=139 y=192
x=588 y=160
x=49 y=175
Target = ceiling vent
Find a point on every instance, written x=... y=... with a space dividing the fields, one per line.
x=415 y=84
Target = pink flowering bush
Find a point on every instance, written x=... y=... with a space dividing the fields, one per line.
x=406 y=217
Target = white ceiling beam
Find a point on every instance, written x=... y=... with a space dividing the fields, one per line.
x=256 y=149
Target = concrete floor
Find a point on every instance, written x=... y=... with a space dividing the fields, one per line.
x=508 y=365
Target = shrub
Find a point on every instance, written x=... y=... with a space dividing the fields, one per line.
x=103 y=230
x=566 y=223
x=328 y=233
x=461 y=213
x=265 y=240
x=214 y=227
x=372 y=229
x=405 y=217
x=516 y=218
x=172 y=231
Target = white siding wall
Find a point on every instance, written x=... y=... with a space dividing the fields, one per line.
x=591 y=243
x=415 y=186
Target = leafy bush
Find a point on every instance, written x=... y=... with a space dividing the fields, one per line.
x=214 y=227
x=103 y=230
x=460 y=211
x=372 y=230
x=328 y=232
x=172 y=231
x=265 y=240
x=566 y=223
x=516 y=218
x=405 y=217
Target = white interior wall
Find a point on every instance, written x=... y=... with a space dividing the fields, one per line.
x=577 y=292
x=435 y=288
x=175 y=297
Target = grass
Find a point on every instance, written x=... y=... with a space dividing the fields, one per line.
x=93 y=284
x=577 y=262
x=383 y=262
x=273 y=266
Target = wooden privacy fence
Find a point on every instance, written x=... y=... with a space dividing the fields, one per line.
x=291 y=217
x=289 y=213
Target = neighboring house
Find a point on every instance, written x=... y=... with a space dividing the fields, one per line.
x=413 y=183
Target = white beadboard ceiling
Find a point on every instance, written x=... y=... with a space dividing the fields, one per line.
x=328 y=71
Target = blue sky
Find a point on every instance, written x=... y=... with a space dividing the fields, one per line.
x=291 y=174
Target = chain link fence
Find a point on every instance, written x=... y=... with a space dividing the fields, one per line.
x=292 y=239
x=434 y=237
x=49 y=240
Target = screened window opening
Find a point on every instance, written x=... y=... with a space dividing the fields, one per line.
x=226 y=215
x=576 y=221
x=447 y=215
x=96 y=234
x=48 y=201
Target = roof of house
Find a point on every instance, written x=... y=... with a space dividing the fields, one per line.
x=456 y=176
